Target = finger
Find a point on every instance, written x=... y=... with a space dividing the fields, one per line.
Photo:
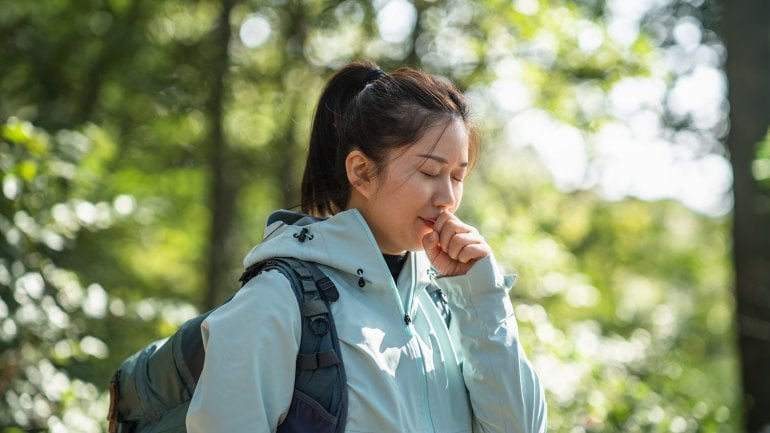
x=451 y=229
x=445 y=233
x=430 y=245
x=458 y=242
x=473 y=252
x=443 y=217
x=440 y=221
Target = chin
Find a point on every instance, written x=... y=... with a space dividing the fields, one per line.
x=417 y=246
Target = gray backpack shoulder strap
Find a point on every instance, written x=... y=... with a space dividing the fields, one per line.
x=319 y=403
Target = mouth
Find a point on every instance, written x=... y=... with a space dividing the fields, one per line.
x=428 y=222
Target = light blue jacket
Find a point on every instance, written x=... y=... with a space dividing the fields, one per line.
x=402 y=378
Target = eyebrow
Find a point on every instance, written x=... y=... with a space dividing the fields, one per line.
x=440 y=159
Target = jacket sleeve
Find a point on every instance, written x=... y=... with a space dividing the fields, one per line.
x=251 y=346
x=505 y=392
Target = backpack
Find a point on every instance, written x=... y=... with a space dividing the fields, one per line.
x=151 y=390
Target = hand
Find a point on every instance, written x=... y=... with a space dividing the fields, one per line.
x=453 y=246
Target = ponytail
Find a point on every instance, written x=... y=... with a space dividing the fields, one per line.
x=325 y=187
x=363 y=108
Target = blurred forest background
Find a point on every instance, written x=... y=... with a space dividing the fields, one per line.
x=143 y=143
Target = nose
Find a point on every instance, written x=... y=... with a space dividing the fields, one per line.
x=445 y=196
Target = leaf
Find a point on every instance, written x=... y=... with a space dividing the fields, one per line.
x=24 y=133
x=27 y=170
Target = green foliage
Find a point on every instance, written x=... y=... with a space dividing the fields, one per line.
x=761 y=165
x=57 y=327
x=623 y=306
x=48 y=312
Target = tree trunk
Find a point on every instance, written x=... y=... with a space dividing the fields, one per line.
x=224 y=189
x=748 y=69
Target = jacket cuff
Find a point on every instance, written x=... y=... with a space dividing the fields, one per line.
x=483 y=277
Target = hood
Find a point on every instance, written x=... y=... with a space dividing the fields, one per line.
x=343 y=242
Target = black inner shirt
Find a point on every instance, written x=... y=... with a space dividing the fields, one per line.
x=395 y=264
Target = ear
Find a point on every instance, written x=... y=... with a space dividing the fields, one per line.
x=359 y=169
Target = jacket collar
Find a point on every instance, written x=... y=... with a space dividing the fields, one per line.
x=343 y=242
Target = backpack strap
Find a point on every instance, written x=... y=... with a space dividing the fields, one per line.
x=320 y=374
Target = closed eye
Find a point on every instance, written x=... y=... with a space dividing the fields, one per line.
x=458 y=175
x=430 y=175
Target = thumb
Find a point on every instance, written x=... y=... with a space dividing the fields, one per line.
x=430 y=244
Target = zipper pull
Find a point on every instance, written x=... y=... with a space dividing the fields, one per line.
x=407 y=319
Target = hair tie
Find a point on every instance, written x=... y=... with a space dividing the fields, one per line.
x=373 y=75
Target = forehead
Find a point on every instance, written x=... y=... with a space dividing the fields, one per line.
x=449 y=141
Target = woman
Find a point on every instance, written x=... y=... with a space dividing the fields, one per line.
x=384 y=176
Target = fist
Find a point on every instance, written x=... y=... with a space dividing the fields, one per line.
x=453 y=246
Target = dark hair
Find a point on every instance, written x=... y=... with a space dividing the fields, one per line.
x=363 y=108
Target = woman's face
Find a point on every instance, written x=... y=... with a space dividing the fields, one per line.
x=417 y=183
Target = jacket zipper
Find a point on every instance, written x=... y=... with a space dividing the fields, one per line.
x=410 y=330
